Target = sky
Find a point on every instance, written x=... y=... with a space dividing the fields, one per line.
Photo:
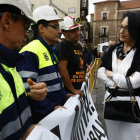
x=91 y=7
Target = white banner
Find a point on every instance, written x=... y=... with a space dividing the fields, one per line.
x=78 y=122
x=41 y=133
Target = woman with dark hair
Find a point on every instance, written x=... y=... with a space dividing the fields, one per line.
x=123 y=59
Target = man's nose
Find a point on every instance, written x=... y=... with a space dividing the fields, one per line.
x=59 y=31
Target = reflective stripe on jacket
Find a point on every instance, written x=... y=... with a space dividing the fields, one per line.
x=42 y=66
x=15 y=117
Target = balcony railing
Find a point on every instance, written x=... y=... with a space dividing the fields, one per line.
x=103 y=35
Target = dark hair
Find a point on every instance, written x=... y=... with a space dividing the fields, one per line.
x=134 y=26
x=35 y=30
x=14 y=11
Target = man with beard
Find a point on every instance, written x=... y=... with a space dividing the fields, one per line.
x=71 y=56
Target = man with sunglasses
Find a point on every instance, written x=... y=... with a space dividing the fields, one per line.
x=71 y=56
x=43 y=64
x=15 y=115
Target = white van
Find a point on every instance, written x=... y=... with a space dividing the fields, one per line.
x=103 y=47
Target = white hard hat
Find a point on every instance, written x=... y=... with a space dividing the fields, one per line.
x=62 y=36
x=23 y=5
x=70 y=23
x=45 y=13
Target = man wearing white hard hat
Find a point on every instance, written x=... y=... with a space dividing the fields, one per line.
x=43 y=64
x=15 y=115
x=71 y=55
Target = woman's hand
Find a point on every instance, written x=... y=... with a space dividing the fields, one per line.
x=109 y=73
x=115 y=85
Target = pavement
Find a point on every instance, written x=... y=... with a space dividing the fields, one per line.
x=98 y=98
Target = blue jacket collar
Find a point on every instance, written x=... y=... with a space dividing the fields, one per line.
x=45 y=44
x=49 y=48
x=10 y=58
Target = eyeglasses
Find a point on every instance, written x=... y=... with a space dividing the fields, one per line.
x=16 y=16
x=27 y=23
x=124 y=28
x=56 y=27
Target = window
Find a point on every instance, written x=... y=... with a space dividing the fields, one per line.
x=82 y=13
x=84 y=3
x=104 y=16
x=103 y=41
x=72 y=10
x=103 y=31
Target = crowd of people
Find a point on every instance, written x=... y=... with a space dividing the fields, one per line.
x=40 y=73
x=36 y=77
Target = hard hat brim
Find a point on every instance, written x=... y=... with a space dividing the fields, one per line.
x=49 y=19
x=30 y=19
x=74 y=26
x=27 y=11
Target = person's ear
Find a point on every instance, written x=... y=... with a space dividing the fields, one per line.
x=6 y=21
x=41 y=28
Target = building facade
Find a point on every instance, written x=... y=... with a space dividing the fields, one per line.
x=63 y=7
x=107 y=18
x=90 y=39
x=75 y=8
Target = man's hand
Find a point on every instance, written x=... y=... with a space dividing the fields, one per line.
x=27 y=133
x=90 y=69
x=109 y=73
x=56 y=107
x=78 y=91
x=110 y=43
x=38 y=91
x=68 y=96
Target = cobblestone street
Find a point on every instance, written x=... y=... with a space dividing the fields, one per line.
x=98 y=97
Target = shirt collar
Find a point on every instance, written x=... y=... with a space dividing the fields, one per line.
x=10 y=58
